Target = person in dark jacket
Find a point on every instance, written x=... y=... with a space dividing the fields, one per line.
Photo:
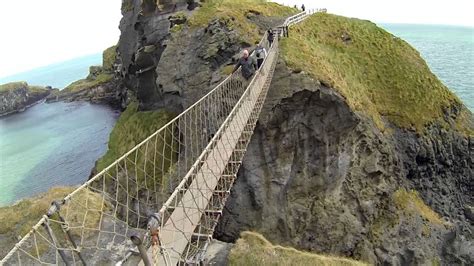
x=260 y=54
x=270 y=37
x=303 y=7
x=248 y=64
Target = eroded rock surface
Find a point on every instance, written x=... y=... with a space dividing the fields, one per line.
x=20 y=98
x=318 y=176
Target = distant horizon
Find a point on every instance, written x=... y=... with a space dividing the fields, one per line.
x=7 y=77
x=58 y=74
x=48 y=65
x=456 y=12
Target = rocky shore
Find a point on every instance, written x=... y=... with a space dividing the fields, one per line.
x=18 y=96
x=100 y=86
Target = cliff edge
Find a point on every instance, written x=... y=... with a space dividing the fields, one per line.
x=18 y=96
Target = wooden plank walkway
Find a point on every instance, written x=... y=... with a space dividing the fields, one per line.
x=177 y=232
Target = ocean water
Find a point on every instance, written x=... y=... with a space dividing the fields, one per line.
x=57 y=75
x=51 y=145
x=448 y=50
x=57 y=144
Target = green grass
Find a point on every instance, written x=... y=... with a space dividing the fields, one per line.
x=86 y=83
x=17 y=220
x=254 y=249
x=97 y=75
x=13 y=86
x=108 y=58
x=409 y=202
x=131 y=129
x=234 y=13
x=21 y=84
x=378 y=74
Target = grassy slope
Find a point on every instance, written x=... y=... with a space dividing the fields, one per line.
x=82 y=84
x=108 y=58
x=22 y=84
x=18 y=219
x=409 y=202
x=378 y=73
x=235 y=14
x=254 y=249
x=105 y=75
x=132 y=128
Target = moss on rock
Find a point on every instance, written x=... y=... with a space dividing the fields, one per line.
x=17 y=220
x=235 y=13
x=88 y=83
x=132 y=128
x=22 y=84
x=108 y=58
x=409 y=202
x=254 y=249
x=98 y=75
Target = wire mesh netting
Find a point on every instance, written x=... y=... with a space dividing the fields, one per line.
x=169 y=190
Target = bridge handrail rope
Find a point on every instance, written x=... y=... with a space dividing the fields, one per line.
x=167 y=193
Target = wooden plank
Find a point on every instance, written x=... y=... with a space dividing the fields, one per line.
x=177 y=232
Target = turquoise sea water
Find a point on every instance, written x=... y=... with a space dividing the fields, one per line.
x=57 y=75
x=51 y=145
x=448 y=50
x=57 y=144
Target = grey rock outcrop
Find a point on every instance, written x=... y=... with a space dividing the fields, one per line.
x=318 y=176
x=101 y=94
x=20 y=98
x=168 y=64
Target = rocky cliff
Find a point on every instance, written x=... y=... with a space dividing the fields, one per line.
x=17 y=96
x=360 y=151
x=320 y=177
x=370 y=181
x=100 y=86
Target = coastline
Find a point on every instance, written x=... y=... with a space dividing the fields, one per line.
x=23 y=108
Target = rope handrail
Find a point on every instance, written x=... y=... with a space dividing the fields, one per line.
x=180 y=175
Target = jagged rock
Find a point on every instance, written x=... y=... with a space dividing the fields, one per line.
x=469 y=212
x=18 y=96
x=218 y=253
x=177 y=19
x=320 y=177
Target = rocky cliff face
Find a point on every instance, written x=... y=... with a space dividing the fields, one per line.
x=16 y=97
x=318 y=175
x=321 y=177
x=166 y=62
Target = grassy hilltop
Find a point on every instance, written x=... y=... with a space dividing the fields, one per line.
x=378 y=74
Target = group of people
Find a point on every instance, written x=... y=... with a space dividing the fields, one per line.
x=302 y=7
x=250 y=64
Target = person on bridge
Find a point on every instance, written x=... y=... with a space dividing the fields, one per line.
x=303 y=7
x=270 y=38
x=260 y=54
x=248 y=65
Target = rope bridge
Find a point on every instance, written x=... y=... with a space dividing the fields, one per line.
x=160 y=202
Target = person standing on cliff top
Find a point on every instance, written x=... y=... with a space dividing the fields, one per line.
x=248 y=64
x=303 y=7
